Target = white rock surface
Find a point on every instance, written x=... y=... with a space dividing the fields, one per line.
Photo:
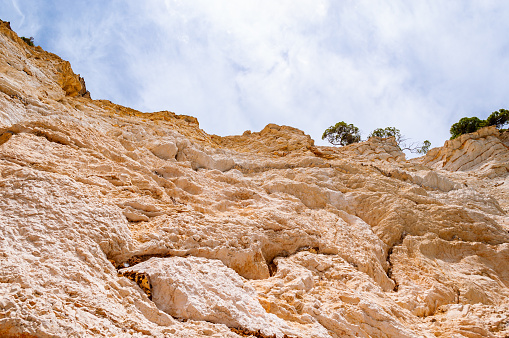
x=207 y=290
x=165 y=150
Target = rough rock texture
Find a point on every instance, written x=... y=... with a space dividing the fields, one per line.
x=487 y=153
x=115 y=222
x=205 y=289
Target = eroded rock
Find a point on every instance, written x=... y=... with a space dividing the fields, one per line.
x=263 y=232
x=203 y=289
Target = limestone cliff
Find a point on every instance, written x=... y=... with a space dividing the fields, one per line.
x=115 y=222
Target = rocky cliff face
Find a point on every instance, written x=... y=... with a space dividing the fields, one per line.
x=118 y=223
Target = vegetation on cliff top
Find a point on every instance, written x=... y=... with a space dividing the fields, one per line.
x=344 y=134
x=29 y=41
x=471 y=124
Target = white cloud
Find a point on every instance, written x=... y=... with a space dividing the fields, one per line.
x=418 y=66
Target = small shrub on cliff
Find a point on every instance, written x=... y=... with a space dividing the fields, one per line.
x=342 y=133
x=400 y=140
x=424 y=148
x=471 y=124
x=387 y=132
x=466 y=125
x=498 y=118
x=28 y=41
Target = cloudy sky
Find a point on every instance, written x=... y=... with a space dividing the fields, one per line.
x=238 y=65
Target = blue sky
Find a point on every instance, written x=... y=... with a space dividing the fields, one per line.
x=238 y=65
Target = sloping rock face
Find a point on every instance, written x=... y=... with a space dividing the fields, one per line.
x=115 y=222
x=486 y=152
